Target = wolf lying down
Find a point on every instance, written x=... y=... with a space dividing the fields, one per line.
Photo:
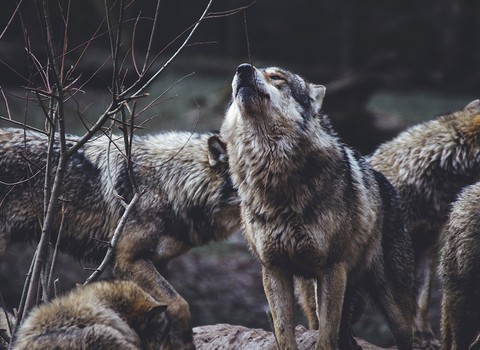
x=188 y=200
x=313 y=208
x=102 y=315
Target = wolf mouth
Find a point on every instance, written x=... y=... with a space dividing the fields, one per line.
x=248 y=83
x=250 y=88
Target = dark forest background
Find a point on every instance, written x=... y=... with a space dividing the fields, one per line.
x=430 y=42
x=408 y=59
x=386 y=63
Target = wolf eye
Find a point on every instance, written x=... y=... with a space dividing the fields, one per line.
x=277 y=77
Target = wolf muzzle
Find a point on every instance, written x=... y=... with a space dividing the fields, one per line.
x=245 y=76
x=248 y=83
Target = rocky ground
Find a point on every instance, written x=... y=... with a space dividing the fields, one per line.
x=221 y=282
x=227 y=337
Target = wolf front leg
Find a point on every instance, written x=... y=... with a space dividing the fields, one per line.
x=330 y=294
x=278 y=286
x=134 y=263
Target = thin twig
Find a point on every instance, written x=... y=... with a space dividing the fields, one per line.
x=23 y=298
x=54 y=191
x=109 y=169
x=113 y=243
x=55 y=251
x=134 y=35
x=177 y=52
x=11 y=19
x=150 y=40
x=6 y=103
x=7 y=318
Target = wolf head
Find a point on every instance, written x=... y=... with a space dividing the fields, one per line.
x=274 y=99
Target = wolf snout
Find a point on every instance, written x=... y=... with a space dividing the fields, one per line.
x=245 y=70
x=245 y=75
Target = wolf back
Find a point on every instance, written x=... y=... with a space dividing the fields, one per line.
x=187 y=200
x=429 y=164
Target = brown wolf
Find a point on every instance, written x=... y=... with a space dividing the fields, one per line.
x=313 y=208
x=429 y=164
x=460 y=270
x=102 y=315
x=188 y=200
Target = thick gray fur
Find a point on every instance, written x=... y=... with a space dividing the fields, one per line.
x=188 y=200
x=313 y=208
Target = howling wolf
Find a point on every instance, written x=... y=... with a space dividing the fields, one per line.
x=429 y=164
x=188 y=200
x=313 y=208
x=461 y=273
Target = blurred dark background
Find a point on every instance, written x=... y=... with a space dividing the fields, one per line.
x=431 y=43
x=387 y=64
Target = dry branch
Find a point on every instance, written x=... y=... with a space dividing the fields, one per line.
x=113 y=243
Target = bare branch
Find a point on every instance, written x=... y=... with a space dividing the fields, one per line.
x=7 y=318
x=150 y=40
x=6 y=103
x=170 y=60
x=158 y=98
x=51 y=194
x=50 y=282
x=23 y=298
x=113 y=243
x=11 y=19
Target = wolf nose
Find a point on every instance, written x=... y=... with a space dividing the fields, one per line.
x=244 y=70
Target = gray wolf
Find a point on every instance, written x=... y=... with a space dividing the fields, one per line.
x=313 y=208
x=102 y=315
x=460 y=273
x=188 y=200
x=429 y=164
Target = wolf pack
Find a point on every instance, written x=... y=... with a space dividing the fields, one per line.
x=330 y=227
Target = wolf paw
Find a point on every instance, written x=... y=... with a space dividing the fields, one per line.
x=425 y=341
x=348 y=343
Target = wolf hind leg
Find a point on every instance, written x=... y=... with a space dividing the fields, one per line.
x=395 y=300
x=354 y=305
x=305 y=293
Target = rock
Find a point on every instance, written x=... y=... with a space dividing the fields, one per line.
x=232 y=337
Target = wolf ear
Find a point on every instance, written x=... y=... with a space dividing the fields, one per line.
x=157 y=310
x=473 y=107
x=155 y=313
x=317 y=93
x=217 y=151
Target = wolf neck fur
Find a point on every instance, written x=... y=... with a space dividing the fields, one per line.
x=273 y=165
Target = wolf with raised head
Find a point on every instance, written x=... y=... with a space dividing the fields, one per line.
x=429 y=164
x=99 y=316
x=460 y=271
x=188 y=200
x=313 y=208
